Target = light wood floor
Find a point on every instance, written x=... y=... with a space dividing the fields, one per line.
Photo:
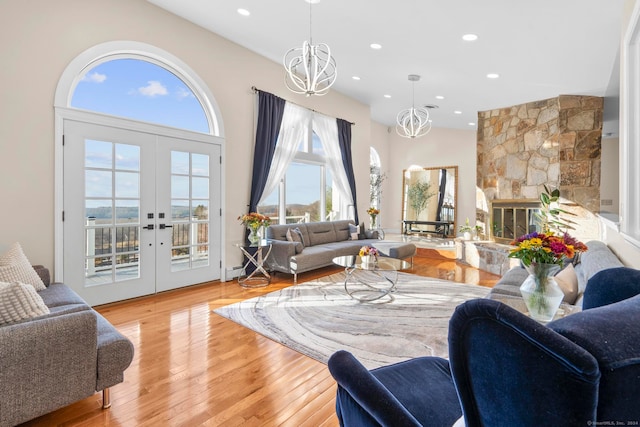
x=192 y=367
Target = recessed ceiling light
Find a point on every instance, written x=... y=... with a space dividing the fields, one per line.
x=244 y=12
x=355 y=78
x=313 y=1
x=387 y=96
x=471 y=124
x=469 y=37
x=457 y=112
x=493 y=75
x=375 y=46
x=439 y=97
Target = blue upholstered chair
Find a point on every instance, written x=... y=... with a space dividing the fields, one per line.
x=506 y=369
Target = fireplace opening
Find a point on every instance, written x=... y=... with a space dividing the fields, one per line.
x=511 y=219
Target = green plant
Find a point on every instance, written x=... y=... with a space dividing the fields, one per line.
x=418 y=194
x=466 y=227
x=551 y=216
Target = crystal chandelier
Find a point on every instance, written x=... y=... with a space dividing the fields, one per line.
x=310 y=69
x=413 y=122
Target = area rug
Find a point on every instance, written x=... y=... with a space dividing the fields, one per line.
x=318 y=318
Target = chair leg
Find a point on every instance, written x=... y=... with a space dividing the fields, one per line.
x=106 y=398
x=295 y=278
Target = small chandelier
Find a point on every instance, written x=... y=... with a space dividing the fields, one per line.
x=413 y=122
x=310 y=69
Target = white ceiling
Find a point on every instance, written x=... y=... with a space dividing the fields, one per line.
x=540 y=49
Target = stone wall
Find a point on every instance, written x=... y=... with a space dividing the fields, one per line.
x=554 y=142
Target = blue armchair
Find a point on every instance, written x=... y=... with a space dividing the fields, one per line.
x=506 y=369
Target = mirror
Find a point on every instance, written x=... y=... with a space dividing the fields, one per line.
x=429 y=200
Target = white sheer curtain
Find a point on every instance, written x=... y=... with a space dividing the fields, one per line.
x=294 y=128
x=327 y=130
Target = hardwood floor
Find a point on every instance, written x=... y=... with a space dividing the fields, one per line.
x=192 y=367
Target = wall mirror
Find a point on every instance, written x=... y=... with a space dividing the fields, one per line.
x=429 y=200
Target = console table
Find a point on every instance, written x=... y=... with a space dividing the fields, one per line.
x=442 y=228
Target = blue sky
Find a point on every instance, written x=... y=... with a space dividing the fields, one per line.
x=140 y=90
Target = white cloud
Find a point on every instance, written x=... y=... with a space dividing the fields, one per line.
x=182 y=93
x=153 y=88
x=94 y=77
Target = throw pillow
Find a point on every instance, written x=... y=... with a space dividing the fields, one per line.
x=295 y=235
x=301 y=237
x=19 y=301
x=15 y=267
x=568 y=281
x=354 y=232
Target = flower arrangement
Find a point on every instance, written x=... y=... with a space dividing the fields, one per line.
x=545 y=248
x=254 y=220
x=368 y=250
x=373 y=211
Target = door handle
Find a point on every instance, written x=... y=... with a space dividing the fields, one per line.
x=163 y=226
x=149 y=227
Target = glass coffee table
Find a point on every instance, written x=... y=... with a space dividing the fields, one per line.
x=373 y=281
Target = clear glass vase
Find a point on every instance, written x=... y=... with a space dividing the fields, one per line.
x=540 y=291
x=254 y=238
x=372 y=221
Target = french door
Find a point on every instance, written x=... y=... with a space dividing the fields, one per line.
x=141 y=212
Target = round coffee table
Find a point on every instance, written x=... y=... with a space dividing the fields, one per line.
x=370 y=282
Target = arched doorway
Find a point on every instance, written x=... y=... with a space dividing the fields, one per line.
x=141 y=190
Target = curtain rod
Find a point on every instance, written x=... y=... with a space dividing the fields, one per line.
x=255 y=89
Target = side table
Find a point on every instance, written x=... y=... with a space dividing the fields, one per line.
x=256 y=257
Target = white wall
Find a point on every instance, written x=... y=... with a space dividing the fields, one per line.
x=627 y=252
x=39 y=38
x=609 y=179
x=440 y=147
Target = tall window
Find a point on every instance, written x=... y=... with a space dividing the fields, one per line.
x=376 y=177
x=306 y=193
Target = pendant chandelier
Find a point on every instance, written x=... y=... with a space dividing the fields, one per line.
x=310 y=69
x=413 y=122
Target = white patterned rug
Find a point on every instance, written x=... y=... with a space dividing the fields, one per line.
x=317 y=318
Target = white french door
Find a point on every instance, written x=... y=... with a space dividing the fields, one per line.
x=141 y=212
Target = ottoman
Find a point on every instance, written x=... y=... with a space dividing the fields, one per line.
x=398 y=250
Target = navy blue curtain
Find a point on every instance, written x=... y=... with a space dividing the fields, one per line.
x=270 y=112
x=443 y=188
x=344 y=138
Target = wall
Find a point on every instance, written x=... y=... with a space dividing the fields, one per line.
x=629 y=253
x=440 y=147
x=609 y=180
x=553 y=142
x=36 y=48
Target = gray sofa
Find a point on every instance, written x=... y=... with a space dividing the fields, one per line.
x=598 y=257
x=53 y=360
x=321 y=242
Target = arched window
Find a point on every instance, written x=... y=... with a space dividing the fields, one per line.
x=140 y=90
x=376 y=177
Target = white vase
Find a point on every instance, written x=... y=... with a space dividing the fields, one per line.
x=466 y=235
x=542 y=294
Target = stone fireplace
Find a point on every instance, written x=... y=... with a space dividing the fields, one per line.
x=554 y=142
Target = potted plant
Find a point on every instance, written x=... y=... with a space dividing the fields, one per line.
x=466 y=230
x=479 y=231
